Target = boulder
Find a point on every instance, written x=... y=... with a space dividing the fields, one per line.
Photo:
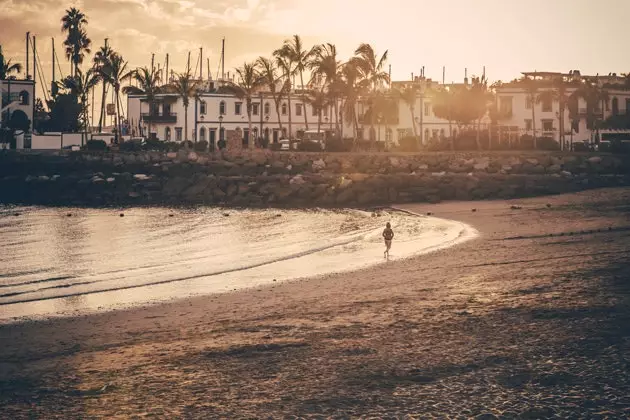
x=141 y=177
x=297 y=180
x=318 y=165
x=554 y=169
x=595 y=160
x=171 y=155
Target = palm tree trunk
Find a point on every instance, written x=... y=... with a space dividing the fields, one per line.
x=290 y=119
x=477 y=139
x=118 y=130
x=319 y=121
x=533 y=101
x=101 y=116
x=337 y=128
x=278 y=112
x=186 y=125
x=304 y=100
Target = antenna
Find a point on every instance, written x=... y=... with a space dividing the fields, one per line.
x=209 y=74
x=53 y=64
x=188 y=63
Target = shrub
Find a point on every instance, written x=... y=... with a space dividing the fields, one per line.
x=275 y=147
x=95 y=145
x=547 y=143
x=409 y=144
x=155 y=144
x=172 y=146
x=309 y=146
x=336 y=144
x=221 y=144
x=581 y=147
x=526 y=142
x=617 y=146
x=187 y=143
x=131 y=146
x=201 y=146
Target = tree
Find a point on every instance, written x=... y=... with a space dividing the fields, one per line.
x=102 y=59
x=371 y=69
x=148 y=84
x=444 y=107
x=318 y=99
x=531 y=89
x=186 y=87
x=65 y=112
x=77 y=43
x=558 y=94
x=595 y=98
x=284 y=64
x=114 y=73
x=270 y=77
x=350 y=88
x=409 y=95
x=294 y=52
x=249 y=83
x=7 y=68
x=325 y=65
x=480 y=99
x=80 y=86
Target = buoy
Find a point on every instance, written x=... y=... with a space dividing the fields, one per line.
x=226 y=214
x=474 y=210
x=69 y=215
x=122 y=214
x=429 y=214
x=170 y=215
x=548 y=205
x=16 y=214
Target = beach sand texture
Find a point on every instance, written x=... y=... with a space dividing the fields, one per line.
x=515 y=323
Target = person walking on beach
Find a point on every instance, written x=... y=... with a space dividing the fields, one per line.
x=388 y=235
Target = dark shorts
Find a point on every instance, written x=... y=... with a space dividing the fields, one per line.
x=388 y=243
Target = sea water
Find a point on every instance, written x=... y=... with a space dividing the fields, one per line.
x=68 y=261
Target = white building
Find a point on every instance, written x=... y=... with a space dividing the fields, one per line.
x=17 y=95
x=215 y=111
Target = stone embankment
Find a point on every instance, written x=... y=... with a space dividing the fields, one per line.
x=257 y=178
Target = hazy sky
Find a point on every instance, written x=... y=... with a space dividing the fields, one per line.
x=507 y=36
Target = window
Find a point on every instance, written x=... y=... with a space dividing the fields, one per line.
x=528 y=125
x=298 y=110
x=178 y=133
x=237 y=107
x=166 y=109
x=24 y=98
x=546 y=105
x=284 y=109
x=222 y=108
x=426 y=134
x=528 y=102
x=442 y=133
x=427 y=109
x=267 y=108
x=388 y=135
x=202 y=108
x=435 y=134
x=615 y=106
x=202 y=134
x=547 y=126
x=167 y=134
x=505 y=105
x=255 y=109
x=314 y=109
x=402 y=133
x=255 y=131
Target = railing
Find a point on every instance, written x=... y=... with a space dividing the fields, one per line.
x=165 y=118
x=584 y=111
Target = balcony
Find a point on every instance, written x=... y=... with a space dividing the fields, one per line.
x=584 y=112
x=159 y=118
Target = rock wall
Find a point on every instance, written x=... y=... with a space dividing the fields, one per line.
x=263 y=178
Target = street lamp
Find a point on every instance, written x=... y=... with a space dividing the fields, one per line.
x=220 y=127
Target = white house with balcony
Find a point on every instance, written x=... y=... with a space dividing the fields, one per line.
x=17 y=96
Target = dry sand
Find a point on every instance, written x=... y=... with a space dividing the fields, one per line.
x=532 y=327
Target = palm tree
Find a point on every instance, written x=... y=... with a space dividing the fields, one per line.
x=350 y=88
x=80 y=86
x=101 y=60
x=325 y=64
x=7 y=68
x=285 y=65
x=269 y=75
x=318 y=99
x=409 y=95
x=371 y=69
x=557 y=94
x=531 y=90
x=444 y=107
x=77 y=43
x=293 y=50
x=480 y=100
x=595 y=98
x=249 y=83
x=186 y=87
x=114 y=74
x=148 y=82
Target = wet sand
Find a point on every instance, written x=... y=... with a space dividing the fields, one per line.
x=530 y=320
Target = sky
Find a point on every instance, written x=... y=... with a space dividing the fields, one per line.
x=505 y=36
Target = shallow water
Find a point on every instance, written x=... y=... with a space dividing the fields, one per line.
x=52 y=264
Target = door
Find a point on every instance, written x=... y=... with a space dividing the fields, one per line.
x=275 y=136
x=246 y=138
x=213 y=138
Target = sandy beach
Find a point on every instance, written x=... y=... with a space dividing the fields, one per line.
x=529 y=320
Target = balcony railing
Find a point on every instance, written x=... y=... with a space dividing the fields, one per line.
x=159 y=118
x=583 y=112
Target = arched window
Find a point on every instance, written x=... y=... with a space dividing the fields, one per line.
x=372 y=134
x=255 y=131
x=284 y=109
x=222 y=108
x=615 y=106
x=454 y=132
x=167 y=134
x=24 y=98
x=202 y=134
x=202 y=108
x=442 y=133
x=267 y=109
x=427 y=136
x=388 y=135
x=284 y=132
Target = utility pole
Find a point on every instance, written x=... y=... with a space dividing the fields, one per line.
x=28 y=36
x=166 y=72
x=200 y=63
x=209 y=74
x=223 y=59
x=53 y=64
x=188 y=64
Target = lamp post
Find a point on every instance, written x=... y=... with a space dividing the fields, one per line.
x=221 y=136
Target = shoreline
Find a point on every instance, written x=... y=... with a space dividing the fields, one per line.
x=464 y=233
x=532 y=326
